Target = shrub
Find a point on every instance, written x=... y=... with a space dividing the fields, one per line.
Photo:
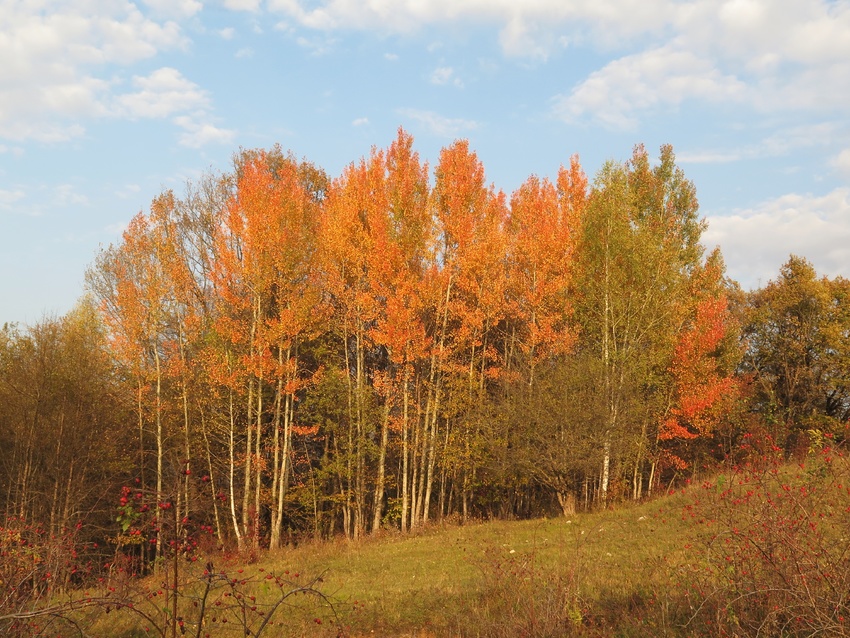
x=770 y=552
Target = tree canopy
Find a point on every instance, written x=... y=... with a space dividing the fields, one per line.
x=279 y=351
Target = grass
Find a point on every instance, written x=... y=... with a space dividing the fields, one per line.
x=593 y=574
x=757 y=552
x=586 y=571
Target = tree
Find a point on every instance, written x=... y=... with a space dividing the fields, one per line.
x=267 y=300
x=639 y=246
x=62 y=414
x=469 y=297
x=131 y=282
x=543 y=220
x=400 y=261
x=354 y=226
x=543 y=432
x=797 y=337
x=705 y=385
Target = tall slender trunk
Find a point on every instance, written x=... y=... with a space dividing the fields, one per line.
x=637 y=477
x=360 y=467
x=431 y=435
x=232 y=459
x=415 y=487
x=142 y=477
x=405 y=451
x=258 y=464
x=382 y=458
x=247 y=518
x=349 y=470
x=246 y=487
x=187 y=465
x=422 y=453
x=159 y=451
x=216 y=516
x=277 y=505
x=284 y=444
x=607 y=372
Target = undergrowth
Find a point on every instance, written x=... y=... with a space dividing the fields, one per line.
x=762 y=549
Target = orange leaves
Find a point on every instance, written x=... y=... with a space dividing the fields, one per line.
x=672 y=429
x=542 y=221
x=263 y=271
x=471 y=219
x=703 y=391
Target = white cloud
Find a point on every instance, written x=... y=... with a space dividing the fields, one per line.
x=227 y=33
x=762 y=55
x=360 y=121
x=242 y=5
x=659 y=78
x=244 y=53
x=164 y=93
x=526 y=28
x=438 y=124
x=66 y=195
x=57 y=60
x=392 y=57
x=842 y=162
x=8 y=198
x=757 y=241
x=779 y=143
x=160 y=94
x=316 y=45
x=762 y=34
x=175 y=8
x=198 y=131
x=522 y=38
x=445 y=75
x=40 y=131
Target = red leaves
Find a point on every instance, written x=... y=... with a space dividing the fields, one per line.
x=703 y=390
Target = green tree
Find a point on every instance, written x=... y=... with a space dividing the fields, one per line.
x=797 y=337
x=638 y=246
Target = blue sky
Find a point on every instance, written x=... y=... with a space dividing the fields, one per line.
x=105 y=103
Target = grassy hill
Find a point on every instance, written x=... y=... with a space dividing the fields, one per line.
x=591 y=572
x=763 y=550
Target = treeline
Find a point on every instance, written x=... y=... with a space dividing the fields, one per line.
x=277 y=352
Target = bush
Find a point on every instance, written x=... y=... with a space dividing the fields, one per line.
x=770 y=552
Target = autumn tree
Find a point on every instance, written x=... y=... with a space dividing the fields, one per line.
x=353 y=226
x=705 y=387
x=639 y=245
x=468 y=296
x=62 y=412
x=262 y=274
x=375 y=349
x=797 y=338
x=401 y=260
x=544 y=218
x=131 y=282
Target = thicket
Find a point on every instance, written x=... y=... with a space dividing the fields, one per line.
x=276 y=354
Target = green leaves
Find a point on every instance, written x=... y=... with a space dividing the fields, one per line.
x=797 y=334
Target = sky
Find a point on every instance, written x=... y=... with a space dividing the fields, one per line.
x=106 y=103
